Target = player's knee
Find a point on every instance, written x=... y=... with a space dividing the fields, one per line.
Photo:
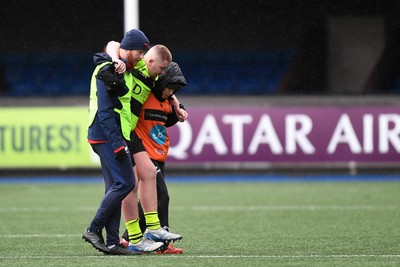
x=148 y=174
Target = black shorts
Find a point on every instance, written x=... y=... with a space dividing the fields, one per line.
x=135 y=145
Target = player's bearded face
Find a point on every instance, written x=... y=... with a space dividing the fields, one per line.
x=134 y=56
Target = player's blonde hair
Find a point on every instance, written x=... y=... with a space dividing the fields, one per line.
x=160 y=51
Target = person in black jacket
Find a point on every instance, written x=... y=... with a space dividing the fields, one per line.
x=108 y=133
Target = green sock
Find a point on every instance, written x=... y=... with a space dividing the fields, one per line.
x=134 y=232
x=152 y=221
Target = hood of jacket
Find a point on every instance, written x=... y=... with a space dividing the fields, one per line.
x=102 y=57
x=172 y=75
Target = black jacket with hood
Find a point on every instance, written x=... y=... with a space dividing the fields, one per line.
x=173 y=75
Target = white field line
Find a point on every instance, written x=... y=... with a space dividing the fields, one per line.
x=293 y=208
x=33 y=257
x=212 y=256
x=43 y=209
x=37 y=235
x=223 y=208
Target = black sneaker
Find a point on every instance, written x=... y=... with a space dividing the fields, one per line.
x=96 y=240
x=120 y=249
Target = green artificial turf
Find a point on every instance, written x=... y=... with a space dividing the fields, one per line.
x=223 y=224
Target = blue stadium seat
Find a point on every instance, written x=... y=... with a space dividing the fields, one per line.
x=207 y=72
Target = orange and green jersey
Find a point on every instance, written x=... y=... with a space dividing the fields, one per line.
x=151 y=127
